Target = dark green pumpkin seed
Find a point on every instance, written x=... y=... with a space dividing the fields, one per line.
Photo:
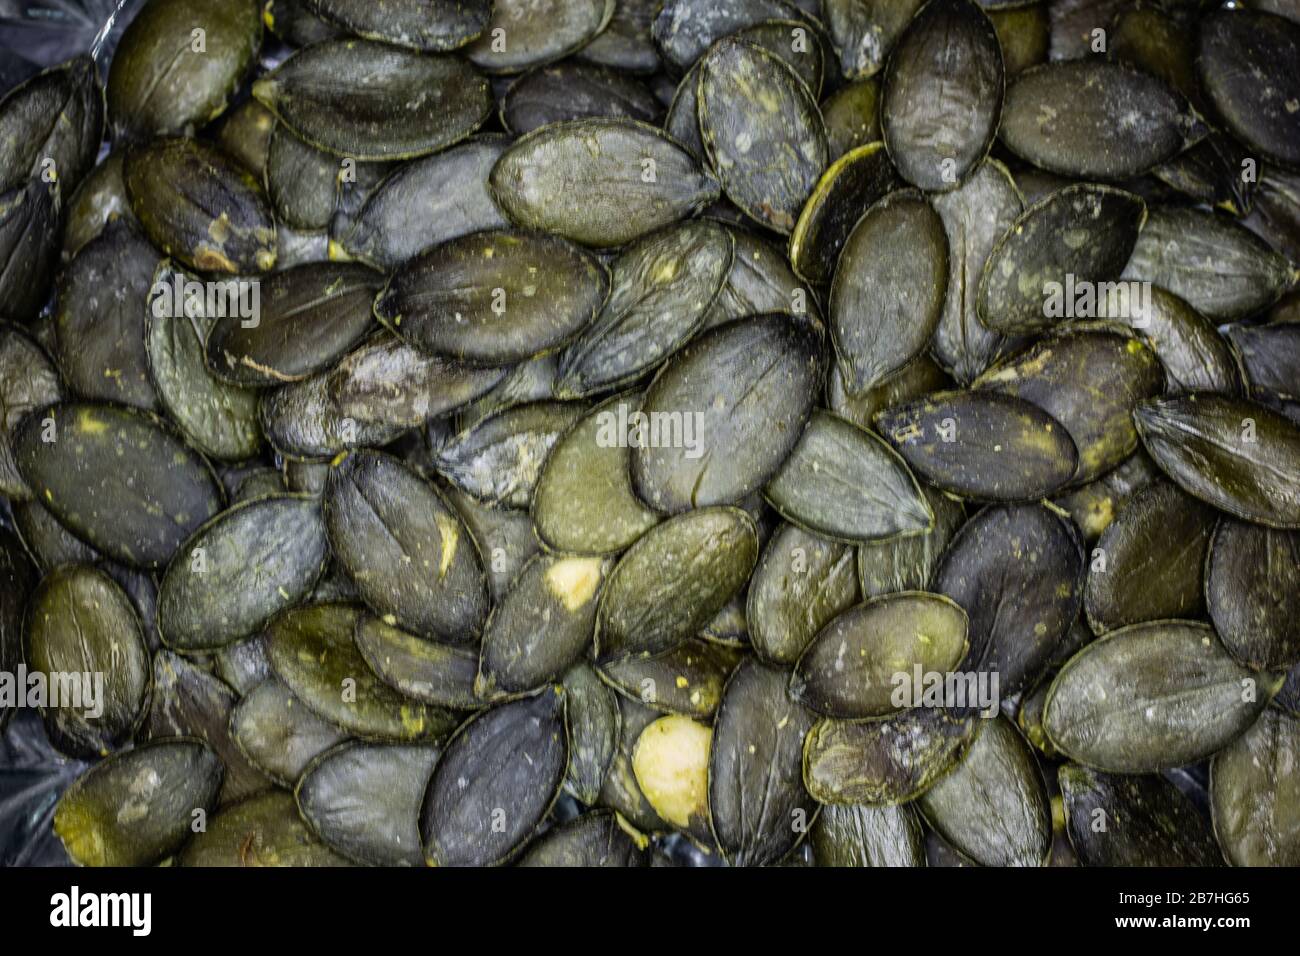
x=1255 y=791
x=801 y=582
x=1194 y=355
x=499 y=459
x=1220 y=268
x=1093 y=506
x=889 y=287
x=241 y=569
x=730 y=406
x=178 y=65
x=51 y=125
x=982 y=444
x=1244 y=64
x=425 y=670
x=884 y=762
x=136 y=808
x=28 y=381
x=277 y=732
x=661 y=291
x=472 y=818
x=101 y=316
x=307 y=318
x=1118 y=706
x=417 y=24
x=1145 y=820
x=495 y=297
x=760 y=281
x=258 y=484
x=198 y=206
x=1061 y=116
x=626 y=44
x=543 y=625
x=573 y=91
x=521 y=34
x=49 y=542
x=407 y=551
x=768 y=150
x=851 y=185
x=993 y=808
x=504 y=537
x=1269 y=356
x=29 y=242
x=425 y=203
x=908 y=563
x=919 y=378
x=685 y=29
x=372 y=102
x=302 y=421
x=99 y=200
x=757 y=748
x=1212 y=172
x=845 y=835
x=676 y=577
x=1080 y=236
x=635 y=179
x=846 y=483
x=942 y=94
x=852 y=117
x=312 y=651
x=687 y=679
x=81 y=623
x=1252 y=590
x=865 y=31
x=851 y=669
x=117 y=478
x=264 y=830
x=1147 y=564
x=1239 y=456
x=1089 y=380
x=1025 y=558
x=297 y=23
x=583 y=501
x=594 y=724
x=363 y=800
x=596 y=839
x=1024 y=34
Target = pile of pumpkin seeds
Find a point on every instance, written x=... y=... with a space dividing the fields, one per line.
x=657 y=432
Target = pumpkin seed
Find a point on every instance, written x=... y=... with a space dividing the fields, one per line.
x=685 y=29
x=313 y=653
x=521 y=34
x=264 y=830
x=757 y=748
x=302 y=421
x=673 y=580
x=687 y=679
x=493 y=298
x=1117 y=706
x=1194 y=355
x=731 y=406
x=1089 y=380
x=101 y=315
x=1269 y=356
x=671 y=763
x=884 y=762
x=865 y=31
x=278 y=734
x=416 y=24
x=363 y=800
x=760 y=281
x=914 y=380
x=852 y=117
x=993 y=808
x=768 y=151
x=573 y=91
x=1237 y=455
x=1253 y=789
x=1024 y=557
x=81 y=622
x=413 y=104
x=99 y=200
x=297 y=23
x=49 y=542
x=593 y=839
x=117 y=478
x=1251 y=593
x=1093 y=506
x=942 y=94
x=635 y=178
x=543 y=624
x=178 y=65
x=428 y=671
x=51 y=125
x=1147 y=564
x=1079 y=237
x=594 y=724
x=1220 y=268
x=198 y=206
x=483 y=821
x=404 y=548
x=620 y=790
x=1133 y=821
x=661 y=290
x=136 y=808
x=1241 y=64
x=28 y=381
x=846 y=835
x=504 y=537
x=908 y=563
x=981 y=444
x=1024 y=33
x=1062 y=117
